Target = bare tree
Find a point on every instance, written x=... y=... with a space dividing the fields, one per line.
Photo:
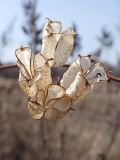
x=78 y=39
x=105 y=41
x=31 y=26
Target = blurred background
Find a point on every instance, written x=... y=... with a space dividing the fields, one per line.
x=92 y=132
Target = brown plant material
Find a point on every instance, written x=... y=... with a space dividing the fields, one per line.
x=53 y=101
x=56 y=44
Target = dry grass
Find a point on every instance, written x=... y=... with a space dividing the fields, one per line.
x=90 y=133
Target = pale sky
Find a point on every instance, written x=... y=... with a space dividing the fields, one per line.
x=90 y=15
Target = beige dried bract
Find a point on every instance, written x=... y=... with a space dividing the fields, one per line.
x=55 y=104
x=79 y=88
x=97 y=70
x=56 y=44
x=54 y=101
x=64 y=47
x=34 y=73
x=81 y=64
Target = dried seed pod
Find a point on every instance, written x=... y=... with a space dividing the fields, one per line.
x=81 y=64
x=53 y=101
x=56 y=44
x=64 y=47
x=79 y=88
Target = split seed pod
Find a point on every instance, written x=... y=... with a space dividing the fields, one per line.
x=54 y=101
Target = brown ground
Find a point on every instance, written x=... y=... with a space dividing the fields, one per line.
x=92 y=132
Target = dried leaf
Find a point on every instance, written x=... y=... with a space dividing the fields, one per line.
x=51 y=34
x=32 y=91
x=40 y=97
x=64 y=47
x=71 y=73
x=81 y=64
x=52 y=27
x=39 y=61
x=55 y=26
x=35 y=110
x=85 y=63
x=24 y=84
x=42 y=72
x=97 y=71
x=79 y=88
x=63 y=104
x=54 y=114
x=44 y=79
x=54 y=91
x=24 y=61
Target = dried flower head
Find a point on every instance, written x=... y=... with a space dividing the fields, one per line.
x=46 y=99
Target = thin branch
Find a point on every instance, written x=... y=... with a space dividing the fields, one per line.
x=111 y=77
x=5 y=66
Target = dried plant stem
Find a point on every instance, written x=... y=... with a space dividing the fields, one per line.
x=5 y=66
x=111 y=77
